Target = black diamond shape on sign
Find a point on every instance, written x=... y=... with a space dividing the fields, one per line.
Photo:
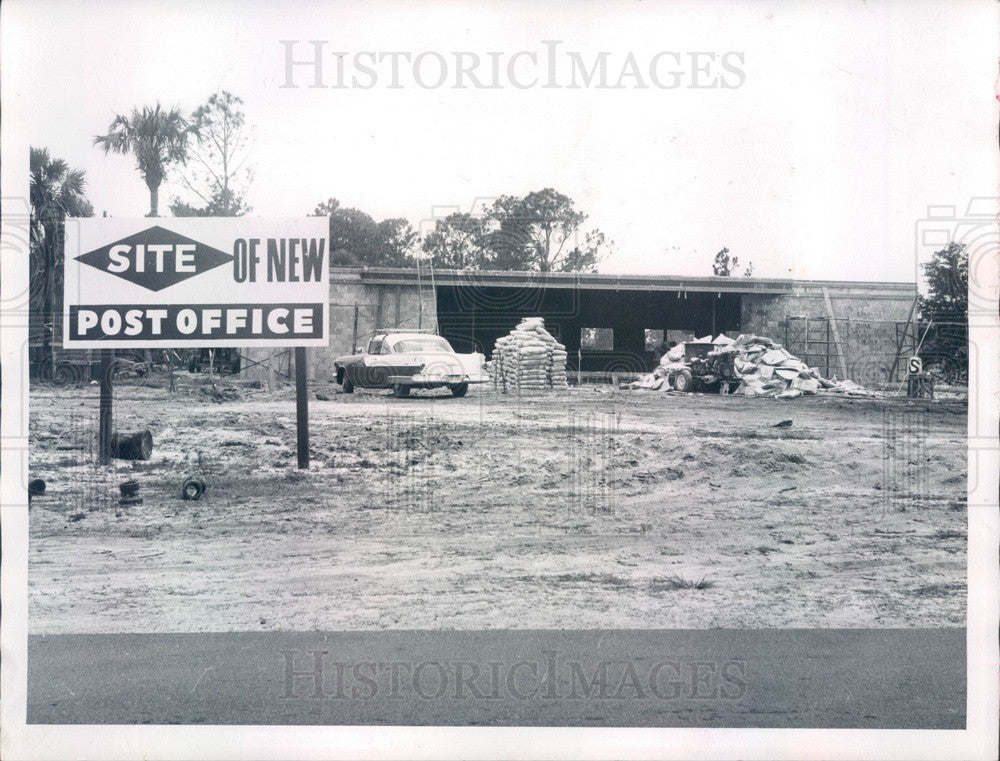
x=156 y=269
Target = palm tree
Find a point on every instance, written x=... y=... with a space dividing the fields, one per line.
x=157 y=138
x=56 y=193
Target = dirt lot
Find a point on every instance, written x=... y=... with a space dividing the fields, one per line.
x=576 y=509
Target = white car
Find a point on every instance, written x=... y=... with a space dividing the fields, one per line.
x=404 y=361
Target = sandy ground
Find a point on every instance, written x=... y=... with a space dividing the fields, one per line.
x=575 y=509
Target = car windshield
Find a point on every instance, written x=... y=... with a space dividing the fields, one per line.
x=430 y=343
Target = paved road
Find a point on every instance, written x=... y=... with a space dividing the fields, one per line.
x=869 y=678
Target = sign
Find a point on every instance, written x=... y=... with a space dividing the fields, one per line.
x=196 y=282
x=915 y=366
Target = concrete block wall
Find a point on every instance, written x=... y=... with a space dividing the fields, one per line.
x=378 y=306
x=865 y=316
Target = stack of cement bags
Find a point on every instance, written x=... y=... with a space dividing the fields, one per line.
x=528 y=359
x=557 y=365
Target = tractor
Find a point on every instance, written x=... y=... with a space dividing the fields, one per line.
x=704 y=372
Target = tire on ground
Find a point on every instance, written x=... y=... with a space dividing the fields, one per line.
x=460 y=390
x=683 y=381
x=65 y=375
x=193 y=489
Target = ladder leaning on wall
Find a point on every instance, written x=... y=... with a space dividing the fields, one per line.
x=907 y=340
x=425 y=270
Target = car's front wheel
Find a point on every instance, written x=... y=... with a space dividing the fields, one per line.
x=460 y=390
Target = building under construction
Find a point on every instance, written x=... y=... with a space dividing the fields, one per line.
x=619 y=323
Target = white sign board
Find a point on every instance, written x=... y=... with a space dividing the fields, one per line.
x=196 y=282
x=915 y=366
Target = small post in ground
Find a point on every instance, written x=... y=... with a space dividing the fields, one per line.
x=301 y=407
x=105 y=416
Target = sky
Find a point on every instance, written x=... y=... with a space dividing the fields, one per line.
x=838 y=125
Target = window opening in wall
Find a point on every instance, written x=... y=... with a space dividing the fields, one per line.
x=597 y=339
x=654 y=339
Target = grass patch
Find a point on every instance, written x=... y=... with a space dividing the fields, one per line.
x=948 y=534
x=940 y=590
x=675 y=583
x=604 y=579
x=764 y=433
x=793 y=458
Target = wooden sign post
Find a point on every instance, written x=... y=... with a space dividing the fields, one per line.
x=301 y=407
x=105 y=421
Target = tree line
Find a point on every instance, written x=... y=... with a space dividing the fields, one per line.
x=209 y=151
x=541 y=231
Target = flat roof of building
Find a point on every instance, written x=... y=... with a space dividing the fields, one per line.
x=602 y=281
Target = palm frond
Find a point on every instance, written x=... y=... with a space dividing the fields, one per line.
x=156 y=138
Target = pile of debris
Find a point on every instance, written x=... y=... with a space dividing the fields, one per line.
x=220 y=394
x=756 y=365
x=766 y=369
x=528 y=359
